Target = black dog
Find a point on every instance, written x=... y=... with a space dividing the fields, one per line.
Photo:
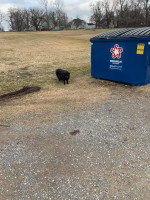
x=62 y=75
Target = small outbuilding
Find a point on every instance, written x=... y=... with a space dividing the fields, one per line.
x=122 y=55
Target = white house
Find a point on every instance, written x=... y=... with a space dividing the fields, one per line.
x=90 y=26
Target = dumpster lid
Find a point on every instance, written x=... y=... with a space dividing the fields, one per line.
x=124 y=33
x=112 y=33
x=137 y=32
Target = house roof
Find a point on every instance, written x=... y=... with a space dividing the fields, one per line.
x=90 y=24
x=77 y=21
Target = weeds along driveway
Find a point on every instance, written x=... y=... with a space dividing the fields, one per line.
x=100 y=151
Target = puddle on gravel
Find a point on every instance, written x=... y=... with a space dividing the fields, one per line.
x=74 y=133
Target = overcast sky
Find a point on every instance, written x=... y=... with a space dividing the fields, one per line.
x=73 y=8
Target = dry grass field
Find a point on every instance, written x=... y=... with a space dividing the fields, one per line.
x=31 y=58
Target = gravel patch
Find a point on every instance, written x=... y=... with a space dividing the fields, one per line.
x=108 y=157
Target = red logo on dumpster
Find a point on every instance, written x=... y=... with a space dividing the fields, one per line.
x=116 y=51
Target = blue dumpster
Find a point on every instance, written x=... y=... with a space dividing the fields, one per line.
x=122 y=55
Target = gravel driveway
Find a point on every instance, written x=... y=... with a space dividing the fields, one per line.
x=101 y=152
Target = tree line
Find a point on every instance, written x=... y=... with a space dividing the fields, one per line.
x=44 y=17
x=104 y=13
x=120 y=13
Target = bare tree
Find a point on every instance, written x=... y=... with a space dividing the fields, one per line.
x=121 y=4
x=53 y=13
x=1 y=20
x=26 y=19
x=97 y=13
x=59 y=10
x=59 y=4
x=121 y=12
x=36 y=16
x=102 y=13
x=1 y=17
x=108 y=13
x=16 y=18
x=48 y=13
x=146 y=8
x=135 y=14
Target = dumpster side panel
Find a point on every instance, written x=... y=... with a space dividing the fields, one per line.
x=118 y=61
x=147 y=64
x=148 y=75
x=134 y=63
